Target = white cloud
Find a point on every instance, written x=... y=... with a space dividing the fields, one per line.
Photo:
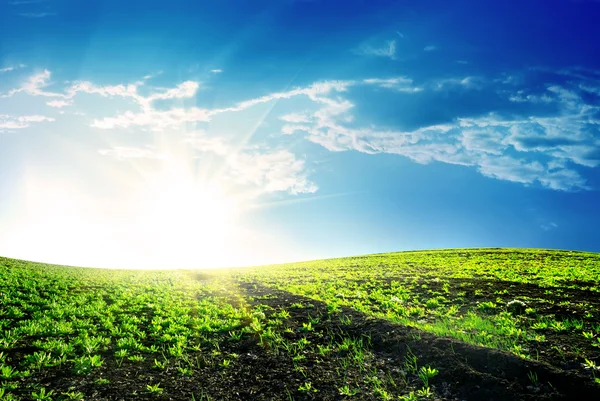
x=127 y=152
x=273 y=171
x=296 y=118
x=216 y=71
x=34 y=86
x=264 y=170
x=22 y=2
x=401 y=84
x=538 y=150
x=430 y=48
x=9 y=122
x=59 y=103
x=154 y=119
x=128 y=91
x=389 y=50
x=158 y=119
x=37 y=15
x=510 y=169
x=470 y=82
x=150 y=76
x=185 y=89
x=12 y=68
x=548 y=226
x=484 y=140
x=521 y=97
x=541 y=150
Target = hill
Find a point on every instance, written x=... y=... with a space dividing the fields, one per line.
x=462 y=324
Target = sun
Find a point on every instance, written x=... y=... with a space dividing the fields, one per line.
x=168 y=219
x=189 y=222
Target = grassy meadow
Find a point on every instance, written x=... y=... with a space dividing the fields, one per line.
x=462 y=324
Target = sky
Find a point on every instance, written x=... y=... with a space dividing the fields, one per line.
x=180 y=134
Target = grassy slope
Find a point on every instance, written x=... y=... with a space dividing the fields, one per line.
x=182 y=334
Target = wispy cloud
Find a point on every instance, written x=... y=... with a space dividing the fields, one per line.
x=23 y=2
x=548 y=226
x=297 y=118
x=160 y=119
x=469 y=82
x=128 y=152
x=19 y=122
x=12 y=68
x=401 y=84
x=216 y=71
x=37 y=15
x=430 y=48
x=263 y=170
x=153 y=75
x=34 y=86
x=542 y=149
x=59 y=103
x=389 y=50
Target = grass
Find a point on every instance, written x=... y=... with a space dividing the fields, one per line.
x=178 y=334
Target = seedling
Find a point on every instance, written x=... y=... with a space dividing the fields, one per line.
x=307 y=387
x=154 y=388
x=426 y=373
x=42 y=394
x=347 y=391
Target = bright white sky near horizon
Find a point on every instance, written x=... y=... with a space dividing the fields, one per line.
x=204 y=134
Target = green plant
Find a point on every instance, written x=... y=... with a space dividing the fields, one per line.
x=409 y=397
x=347 y=391
x=84 y=364
x=410 y=362
x=184 y=371
x=8 y=372
x=424 y=392
x=426 y=373
x=154 y=388
x=39 y=359
x=533 y=378
x=160 y=365
x=307 y=387
x=74 y=395
x=588 y=364
x=42 y=394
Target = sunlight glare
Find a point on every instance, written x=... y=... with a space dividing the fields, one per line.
x=169 y=219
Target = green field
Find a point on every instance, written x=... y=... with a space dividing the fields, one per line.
x=479 y=324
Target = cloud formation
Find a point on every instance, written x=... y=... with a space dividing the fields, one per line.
x=12 y=68
x=265 y=170
x=389 y=50
x=547 y=150
x=132 y=152
x=20 y=122
x=544 y=135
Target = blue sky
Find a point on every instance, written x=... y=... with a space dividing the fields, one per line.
x=194 y=134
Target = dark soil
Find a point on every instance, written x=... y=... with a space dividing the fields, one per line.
x=467 y=372
x=258 y=372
